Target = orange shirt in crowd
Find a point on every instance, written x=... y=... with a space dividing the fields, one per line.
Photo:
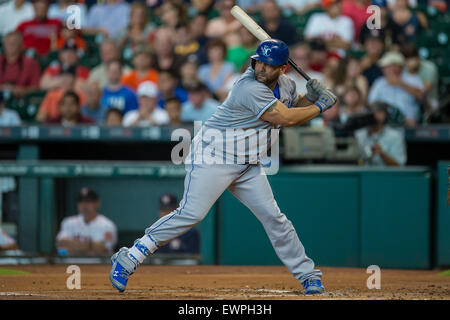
x=132 y=80
x=50 y=104
x=79 y=42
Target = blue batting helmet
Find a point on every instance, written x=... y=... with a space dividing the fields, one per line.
x=271 y=51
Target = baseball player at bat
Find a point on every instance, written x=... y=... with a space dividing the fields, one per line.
x=263 y=98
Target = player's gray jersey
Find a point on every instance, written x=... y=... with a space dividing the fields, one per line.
x=248 y=100
x=242 y=109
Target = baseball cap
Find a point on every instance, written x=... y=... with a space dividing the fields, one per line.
x=168 y=202
x=197 y=86
x=317 y=44
x=148 y=89
x=390 y=58
x=380 y=3
x=67 y=69
x=87 y=195
x=70 y=45
x=328 y=3
x=374 y=34
x=142 y=49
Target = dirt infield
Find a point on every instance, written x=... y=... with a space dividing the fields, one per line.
x=218 y=282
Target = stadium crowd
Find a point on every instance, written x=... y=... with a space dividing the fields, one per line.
x=159 y=62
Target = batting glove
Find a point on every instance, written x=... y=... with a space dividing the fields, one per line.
x=314 y=89
x=326 y=100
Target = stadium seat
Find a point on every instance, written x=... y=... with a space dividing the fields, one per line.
x=50 y=58
x=27 y=106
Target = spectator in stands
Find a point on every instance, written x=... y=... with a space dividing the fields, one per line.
x=168 y=87
x=93 y=108
x=428 y=73
x=200 y=106
x=240 y=54
x=19 y=74
x=331 y=119
x=352 y=104
x=67 y=57
x=197 y=28
x=251 y=6
x=114 y=117
x=6 y=242
x=216 y=73
x=374 y=47
x=137 y=32
x=412 y=3
x=381 y=145
x=276 y=25
x=392 y=32
x=13 y=13
x=70 y=111
x=115 y=94
x=60 y=10
x=225 y=26
x=333 y=27
x=148 y=113
x=173 y=14
x=186 y=45
x=189 y=73
x=173 y=108
x=49 y=108
x=348 y=74
x=202 y=7
x=398 y=88
x=411 y=22
x=37 y=32
x=330 y=70
x=319 y=56
x=89 y=232
x=442 y=6
x=189 y=242
x=143 y=61
x=108 y=18
x=298 y=6
x=357 y=11
x=8 y=117
x=68 y=36
x=166 y=59
x=301 y=55
x=108 y=52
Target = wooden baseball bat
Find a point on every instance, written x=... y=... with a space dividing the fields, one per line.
x=260 y=34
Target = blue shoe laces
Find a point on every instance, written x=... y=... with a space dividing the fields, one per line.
x=309 y=283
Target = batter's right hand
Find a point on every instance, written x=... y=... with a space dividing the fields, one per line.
x=326 y=100
x=314 y=89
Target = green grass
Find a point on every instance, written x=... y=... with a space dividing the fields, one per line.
x=445 y=273
x=4 y=271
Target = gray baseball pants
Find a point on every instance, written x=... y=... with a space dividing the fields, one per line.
x=204 y=184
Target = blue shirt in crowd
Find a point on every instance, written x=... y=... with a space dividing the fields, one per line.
x=189 y=113
x=123 y=99
x=98 y=114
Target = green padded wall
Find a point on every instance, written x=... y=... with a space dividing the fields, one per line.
x=443 y=216
x=395 y=219
x=322 y=207
x=344 y=217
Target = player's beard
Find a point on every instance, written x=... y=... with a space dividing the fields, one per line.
x=266 y=79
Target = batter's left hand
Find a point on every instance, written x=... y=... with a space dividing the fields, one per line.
x=314 y=89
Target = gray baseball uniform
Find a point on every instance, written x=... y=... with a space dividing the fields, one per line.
x=207 y=178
